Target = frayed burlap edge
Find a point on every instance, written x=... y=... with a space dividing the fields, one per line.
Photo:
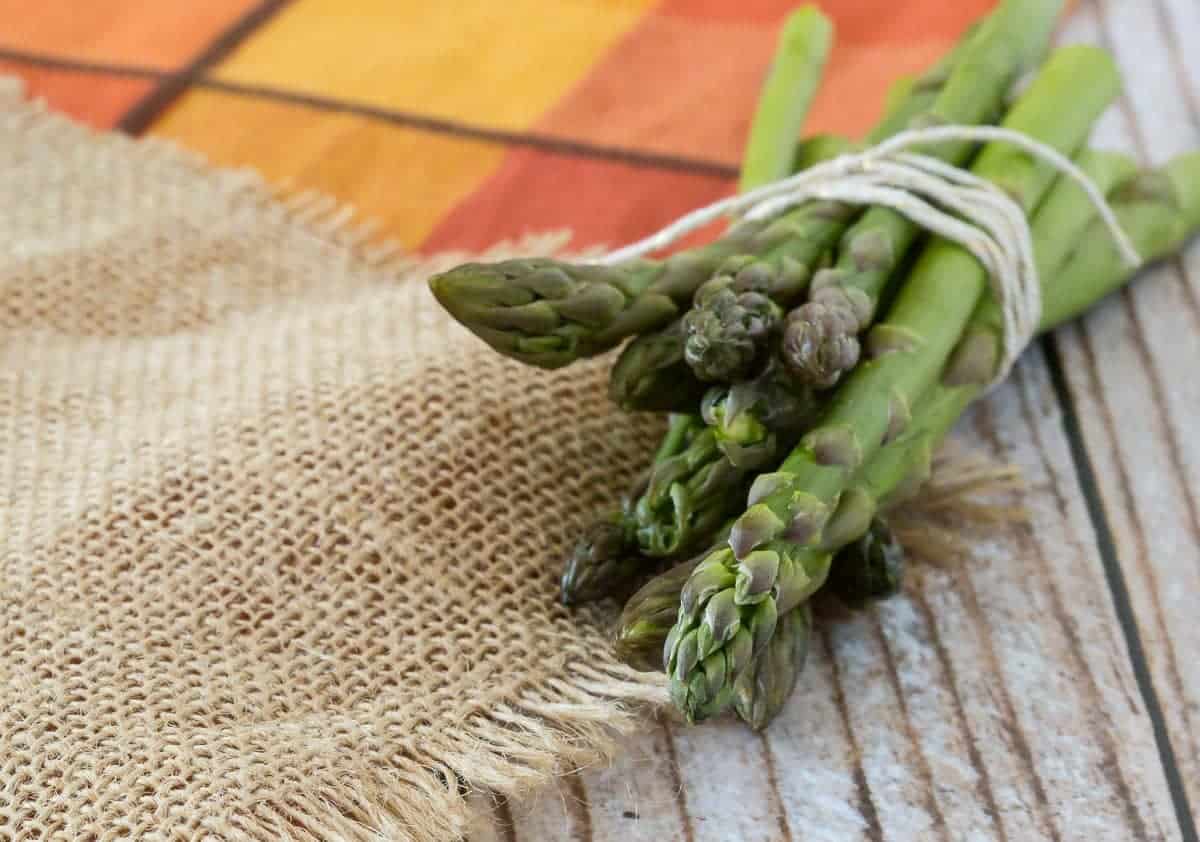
x=551 y=728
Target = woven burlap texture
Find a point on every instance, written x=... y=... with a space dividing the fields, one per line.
x=279 y=541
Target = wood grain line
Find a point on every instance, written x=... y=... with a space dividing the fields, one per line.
x=983 y=781
x=1024 y=533
x=551 y=143
x=866 y=803
x=578 y=807
x=685 y=818
x=1160 y=401
x=775 y=796
x=1142 y=545
x=1175 y=49
x=169 y=88
x=923 y=770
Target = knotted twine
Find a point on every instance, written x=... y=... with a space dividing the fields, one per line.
x=941 y=198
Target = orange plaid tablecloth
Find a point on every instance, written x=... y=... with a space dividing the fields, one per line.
x=457 y=124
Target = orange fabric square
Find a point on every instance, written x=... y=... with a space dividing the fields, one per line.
x=95 y=99
x=405 y=178
x=163 y=34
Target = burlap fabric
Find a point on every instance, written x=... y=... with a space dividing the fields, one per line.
x=279 y=541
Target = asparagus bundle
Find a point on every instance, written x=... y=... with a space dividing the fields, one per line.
x=722 y=337
x=778 y=551
x=729 y=326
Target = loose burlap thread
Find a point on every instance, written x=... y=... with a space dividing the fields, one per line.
x=279 y=542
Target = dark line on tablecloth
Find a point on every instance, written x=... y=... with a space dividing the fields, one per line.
x=143 y=114
x=553 y=144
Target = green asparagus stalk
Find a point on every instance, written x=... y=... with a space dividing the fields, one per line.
x=821 y=336
x=739 y=306
x=778 y=552
x=648 y=616
x=651 y=374
x=816 y=148
x=795 y=73
x=910 y=96
x=1159 y=211
x=606 y=558
x=763 y=688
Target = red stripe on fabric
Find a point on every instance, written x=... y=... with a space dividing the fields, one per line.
x=96 y=100
x=600 y=201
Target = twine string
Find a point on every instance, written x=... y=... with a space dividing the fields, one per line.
x=941 y=198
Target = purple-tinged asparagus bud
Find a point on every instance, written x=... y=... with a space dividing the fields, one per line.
x=835 y=447
x=686 y=656
x=767 y=484
x=754 y=528
x=713 y=575
x=762 y=624
x=808 y=518
x=756 y=576
x=720 y=623
x=740 y=651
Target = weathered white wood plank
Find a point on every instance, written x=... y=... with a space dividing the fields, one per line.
x=1131 y=370
x=726 y=783
x=638 y=796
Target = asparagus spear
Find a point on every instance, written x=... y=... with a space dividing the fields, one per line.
x=821 y=337
x=606 y=557
x=804 y=43
x=648 y=616
x=778 y=552
x=763 y=688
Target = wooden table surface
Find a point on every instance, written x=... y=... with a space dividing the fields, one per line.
x=1046 y=688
